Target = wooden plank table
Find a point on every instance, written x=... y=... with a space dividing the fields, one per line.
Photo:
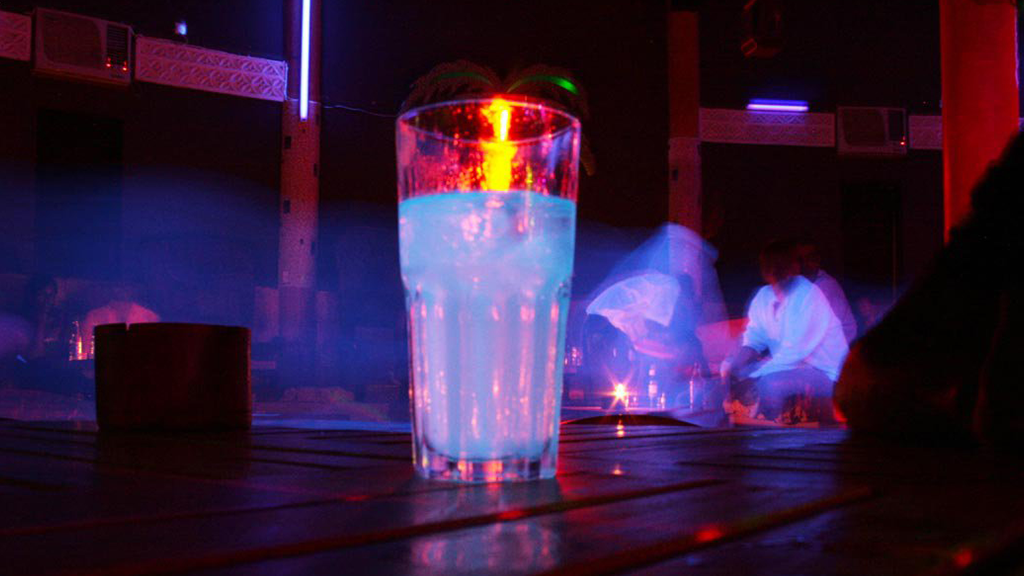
x=628 y=499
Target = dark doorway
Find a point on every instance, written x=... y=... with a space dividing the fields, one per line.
x=871 y=235
x=78 y=195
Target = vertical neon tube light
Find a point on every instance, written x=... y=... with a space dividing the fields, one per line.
x=304 y=64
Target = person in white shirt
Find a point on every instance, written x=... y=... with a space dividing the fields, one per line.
x=810 y=267
x=793 y=343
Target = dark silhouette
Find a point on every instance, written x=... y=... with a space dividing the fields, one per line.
x=39 y=360
x=944 y=363
x=39 y=308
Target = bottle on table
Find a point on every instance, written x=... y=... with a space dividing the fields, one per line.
x=652 y=387
x=696 y=388
x=75 y=348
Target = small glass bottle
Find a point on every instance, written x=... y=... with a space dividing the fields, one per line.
x=652 y=388
x=75 y=342
x=696 y=388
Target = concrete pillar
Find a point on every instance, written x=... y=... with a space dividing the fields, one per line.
x=980 y=96
x=684 y=181
x=300 y=195
x=684 y=119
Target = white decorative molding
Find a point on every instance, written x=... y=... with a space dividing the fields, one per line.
x=925 y=132
x=773 y=128
x=15 y=36
x=800 y=129
x=184 y=66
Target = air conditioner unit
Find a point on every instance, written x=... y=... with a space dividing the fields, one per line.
x=871 y=131
x=74 y=46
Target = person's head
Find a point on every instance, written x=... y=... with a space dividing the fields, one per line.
x=779 y=262
x=41 y=293
x=810 y=259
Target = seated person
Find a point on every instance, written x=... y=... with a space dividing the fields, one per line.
x=36 y=350
x=608 y=357
x=810 y=267
x=121 y=309
x=42 y=319
x=792 y=322
x=15 y=335
x=674 y=351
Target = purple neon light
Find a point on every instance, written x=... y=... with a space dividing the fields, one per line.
x=777 y=105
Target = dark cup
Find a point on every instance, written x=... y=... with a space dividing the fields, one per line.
x=165 y=376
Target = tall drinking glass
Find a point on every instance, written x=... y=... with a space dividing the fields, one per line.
x=487 y=218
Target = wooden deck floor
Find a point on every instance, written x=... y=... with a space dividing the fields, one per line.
x=637 y=499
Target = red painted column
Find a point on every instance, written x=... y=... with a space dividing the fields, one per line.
x=980 y=96
x=299 y=202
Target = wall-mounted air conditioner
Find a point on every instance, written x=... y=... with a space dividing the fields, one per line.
x=871 y=131
x=70 y=45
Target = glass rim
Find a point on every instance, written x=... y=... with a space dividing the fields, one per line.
x=513 y=99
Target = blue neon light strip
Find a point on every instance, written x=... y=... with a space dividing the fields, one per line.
x=763 y=105
x=304 y=64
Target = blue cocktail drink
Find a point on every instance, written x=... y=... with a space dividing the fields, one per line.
x=487 y=274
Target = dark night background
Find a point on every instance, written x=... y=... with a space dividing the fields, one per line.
x=199 y=172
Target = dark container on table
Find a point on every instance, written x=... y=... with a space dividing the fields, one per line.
x=167 y=376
